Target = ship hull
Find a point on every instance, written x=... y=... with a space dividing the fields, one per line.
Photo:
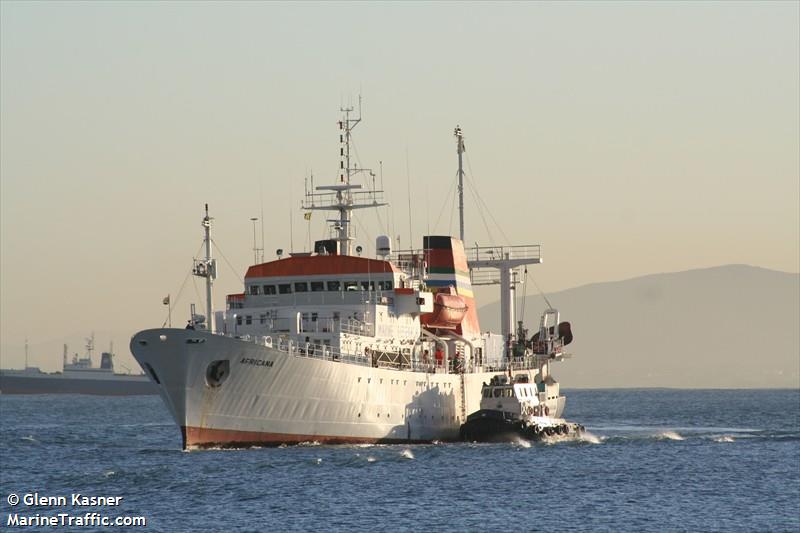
x=59 y=384
x=488 y=425
x=264 y=396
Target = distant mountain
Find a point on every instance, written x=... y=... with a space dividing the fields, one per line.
x=733 y=326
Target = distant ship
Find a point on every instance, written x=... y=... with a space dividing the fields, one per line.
x=78 y=377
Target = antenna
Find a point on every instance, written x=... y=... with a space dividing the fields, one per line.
x=408 y=181
x=460 y=149
x=256 y=249
x=291 y=232
x=342 y=197
x=261 y=195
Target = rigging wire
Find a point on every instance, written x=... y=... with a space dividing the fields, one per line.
x=542 y=293
x=174 y=304
x=408 y=181
x=384 y=229
x=363 y=229
x=361 y=168
x=480 y=211
x=469 y=165
x=235 y=273
x=444 y=205
x=196 y=292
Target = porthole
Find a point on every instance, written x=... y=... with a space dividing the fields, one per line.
x=217 y=372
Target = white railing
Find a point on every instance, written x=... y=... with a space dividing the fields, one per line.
x=357 y=327
x=484 y=253
x=409 y=362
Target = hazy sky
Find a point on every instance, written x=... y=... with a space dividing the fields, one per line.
x=626 y=138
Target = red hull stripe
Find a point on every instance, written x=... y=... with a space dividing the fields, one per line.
x=194 y=437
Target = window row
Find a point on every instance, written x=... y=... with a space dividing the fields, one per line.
x=506 y=392
x=249 y=319
x=318 y=286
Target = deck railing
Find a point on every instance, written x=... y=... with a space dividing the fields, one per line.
x=392 y=360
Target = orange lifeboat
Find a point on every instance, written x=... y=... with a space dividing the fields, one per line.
x=448 y=310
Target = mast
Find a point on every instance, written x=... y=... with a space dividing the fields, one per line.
x=255 y=244
x=90 y=346
x=207 y=268
x=209 y=275
x=460 y=149
x=26 y=353
x=343 y=197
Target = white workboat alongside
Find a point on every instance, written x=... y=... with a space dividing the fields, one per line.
x=337 y=348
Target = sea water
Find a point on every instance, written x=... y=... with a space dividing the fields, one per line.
x=653 y=460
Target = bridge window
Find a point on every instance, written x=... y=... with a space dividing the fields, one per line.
x=333 y=285
x=238 y=320
x=368 y=285
x=248 y=319
x=385 y=285
x=317 y=286
x=301 y=286
x=285 y=288
x=263 y=318
x=255 y=289
x=269 y=289
x=351 y=285
x=497 y=393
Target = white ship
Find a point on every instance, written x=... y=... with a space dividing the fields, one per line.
x=77 y=377
x=332 y=347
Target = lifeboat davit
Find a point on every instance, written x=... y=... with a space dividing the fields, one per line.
x=448 y=310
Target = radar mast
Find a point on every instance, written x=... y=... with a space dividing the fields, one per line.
x=344 y=196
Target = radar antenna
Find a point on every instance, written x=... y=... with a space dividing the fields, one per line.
x=344 y=196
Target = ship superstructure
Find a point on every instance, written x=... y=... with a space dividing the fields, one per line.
x=334 y=347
